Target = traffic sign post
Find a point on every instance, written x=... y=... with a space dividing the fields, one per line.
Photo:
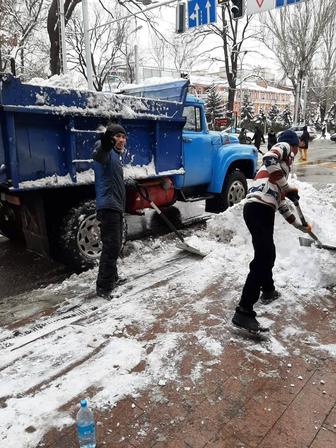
x=201 y=12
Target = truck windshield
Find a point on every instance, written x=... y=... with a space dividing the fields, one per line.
x=193 y=116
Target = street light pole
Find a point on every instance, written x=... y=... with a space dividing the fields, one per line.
x=241 y=82
x=87 y=44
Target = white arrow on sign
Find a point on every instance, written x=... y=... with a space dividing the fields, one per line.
x=195 y=15
x=208 y=6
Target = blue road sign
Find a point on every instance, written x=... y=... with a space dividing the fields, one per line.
x=280 y=3
x=201 y=12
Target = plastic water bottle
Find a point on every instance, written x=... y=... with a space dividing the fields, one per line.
x=85 y=426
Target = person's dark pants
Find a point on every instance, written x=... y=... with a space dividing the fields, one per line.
x=259 y=219
x=111 y=225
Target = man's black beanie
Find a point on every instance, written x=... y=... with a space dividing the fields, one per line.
x=114 y=129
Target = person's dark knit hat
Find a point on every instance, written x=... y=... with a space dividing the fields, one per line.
x=114 y=129
x=289 y=137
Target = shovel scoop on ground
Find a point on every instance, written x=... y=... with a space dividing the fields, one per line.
x=309 y=242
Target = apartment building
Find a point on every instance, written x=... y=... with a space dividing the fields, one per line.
x=261 y=93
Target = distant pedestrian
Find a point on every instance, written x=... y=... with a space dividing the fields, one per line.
x=324 y=131
x=110 y=203
x=258 y=137
x=266 y=195
x=271 y=139
x=303 y=144
x=242 y=136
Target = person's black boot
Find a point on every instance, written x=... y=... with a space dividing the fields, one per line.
x=107 y=295
x=246 y=319
x=269 y=296
x=120 y=280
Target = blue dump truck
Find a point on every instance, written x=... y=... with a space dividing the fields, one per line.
x=46 y=177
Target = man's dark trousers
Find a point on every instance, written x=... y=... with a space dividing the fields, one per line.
x=259 y=219
x=111 y=226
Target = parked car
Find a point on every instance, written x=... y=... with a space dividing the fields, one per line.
x=333 y=138
x=299 y=129
x=236 y=132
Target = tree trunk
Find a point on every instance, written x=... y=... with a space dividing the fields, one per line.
x=53 y=27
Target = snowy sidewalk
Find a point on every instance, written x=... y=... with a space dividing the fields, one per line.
x=246 y=396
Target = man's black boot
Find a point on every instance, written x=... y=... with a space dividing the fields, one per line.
x=104 y=293
x=245 y=319
x=269 y=296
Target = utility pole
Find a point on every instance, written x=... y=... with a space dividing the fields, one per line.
x=305 y=91
x=297 y=103
x=87 y=44
x=62 y=37
x=241 y=82
x=136 y=64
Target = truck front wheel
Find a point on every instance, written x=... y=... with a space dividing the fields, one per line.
x=233 y=191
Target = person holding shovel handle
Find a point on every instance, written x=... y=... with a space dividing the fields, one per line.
x=267 y=195
x=110 y=204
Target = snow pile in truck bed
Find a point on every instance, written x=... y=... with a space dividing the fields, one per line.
x=98 y=103
x=214 y=282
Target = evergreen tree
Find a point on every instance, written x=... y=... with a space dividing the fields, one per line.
x=273 y=113
x=260 y=119
x=330 y=117
x=274 y=118
x=214 y=106
x=286 y=117
x=246 y=113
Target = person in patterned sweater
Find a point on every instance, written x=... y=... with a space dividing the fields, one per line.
x=266 y=195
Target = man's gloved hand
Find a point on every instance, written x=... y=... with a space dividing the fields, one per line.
x=131 y=183
x=292 y=194
x=306 y=229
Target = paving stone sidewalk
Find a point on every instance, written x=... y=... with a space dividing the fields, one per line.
x=247 y=397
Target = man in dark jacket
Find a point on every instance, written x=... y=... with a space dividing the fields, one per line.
x=304 y=142
x=110 y=203
x=271 y=139
x=258 y=137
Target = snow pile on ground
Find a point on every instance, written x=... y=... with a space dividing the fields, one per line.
x=101 y=353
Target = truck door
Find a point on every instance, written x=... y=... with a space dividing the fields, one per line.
x=197 y=148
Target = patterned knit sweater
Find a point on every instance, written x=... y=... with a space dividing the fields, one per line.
x=270 y=184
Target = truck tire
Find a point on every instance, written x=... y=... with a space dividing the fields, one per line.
x=79 y=237
x=10 y=226
x=233 y=191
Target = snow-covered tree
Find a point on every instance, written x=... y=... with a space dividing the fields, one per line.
x=294 y=36
x=214 y=105
x=184 y=51
x=231 y=36
x=260 y=119
x=104 y=57
x=246 y=112
x=330 y=117
x=273 y=113
x=286 y=117
x=18 y=22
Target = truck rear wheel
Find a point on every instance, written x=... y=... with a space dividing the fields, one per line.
x=233 y=191
x=79 y=237
x=10 y=225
